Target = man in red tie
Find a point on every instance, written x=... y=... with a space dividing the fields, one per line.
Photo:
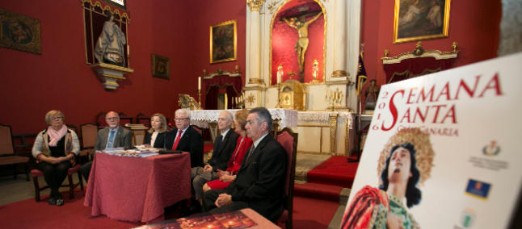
x=185 y=138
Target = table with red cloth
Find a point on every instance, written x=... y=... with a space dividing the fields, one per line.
x=137 y=189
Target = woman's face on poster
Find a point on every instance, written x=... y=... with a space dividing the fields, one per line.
x=399 y=168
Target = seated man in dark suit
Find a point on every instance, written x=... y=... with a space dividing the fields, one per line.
x=224 y=145
x=261 y=179
x=112 y=136
x=185 y=138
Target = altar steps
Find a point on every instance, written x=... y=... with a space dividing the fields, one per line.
x=331 y=180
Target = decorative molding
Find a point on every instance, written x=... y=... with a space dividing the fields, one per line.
x=419 y=52
x=339 y=73
x=219 y=72
x=255 y=5
x=110 y=74
x=256 y=81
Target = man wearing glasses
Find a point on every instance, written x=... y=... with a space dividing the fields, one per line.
x=185 y=138
x=112 y=136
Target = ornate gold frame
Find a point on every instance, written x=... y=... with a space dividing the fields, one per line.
x=160 y=66
x=19 y=32
x=223 y=44
x=421 y=24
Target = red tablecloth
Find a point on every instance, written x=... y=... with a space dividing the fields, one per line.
x=137 y=189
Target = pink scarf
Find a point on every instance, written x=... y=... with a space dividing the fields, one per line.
x=56 y=135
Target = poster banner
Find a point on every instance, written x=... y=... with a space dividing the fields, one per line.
x=443 y=151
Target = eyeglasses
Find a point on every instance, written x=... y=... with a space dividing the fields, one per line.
x=58 y=118
x=112 y=118
x=180 y=119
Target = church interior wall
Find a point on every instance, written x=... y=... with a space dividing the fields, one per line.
x=59 y=78
x=475 y=27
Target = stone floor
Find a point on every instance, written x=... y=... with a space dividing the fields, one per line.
x=306 y=162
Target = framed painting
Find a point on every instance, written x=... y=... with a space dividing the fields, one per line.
x=223 y=41
x=160 y=66
x=19 y=32
x=420 y=20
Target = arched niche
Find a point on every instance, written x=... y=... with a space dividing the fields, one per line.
x=341 y=22
x=297 y=41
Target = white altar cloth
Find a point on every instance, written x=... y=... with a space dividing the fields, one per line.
x=285 y=117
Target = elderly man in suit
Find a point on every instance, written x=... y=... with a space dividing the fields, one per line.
x=224 y=145
x=260 y=181
x=112 y=136
x=185 y=138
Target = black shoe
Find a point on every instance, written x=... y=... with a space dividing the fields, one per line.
x=195 y=207
x=52 y=201
x=59 y=202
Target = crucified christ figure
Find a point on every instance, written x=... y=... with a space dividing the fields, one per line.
x=301 y=25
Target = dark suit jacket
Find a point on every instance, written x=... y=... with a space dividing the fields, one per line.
x=123 y=138
x=191 y=142
x=160 y=140
x=260 y=181
x=221 y=155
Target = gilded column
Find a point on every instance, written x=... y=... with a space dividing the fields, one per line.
x=254 y=42
x=339 y=67
x=333 y=133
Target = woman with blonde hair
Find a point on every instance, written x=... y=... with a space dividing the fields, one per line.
x=155 y=137
x=243 y=143
x=55 y=149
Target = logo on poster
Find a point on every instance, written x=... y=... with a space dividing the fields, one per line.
x=467 y=218
x=492 y=149
x=478 y=189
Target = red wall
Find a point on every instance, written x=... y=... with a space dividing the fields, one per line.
x=205 y=14
x=475 y=27
x=59 y=78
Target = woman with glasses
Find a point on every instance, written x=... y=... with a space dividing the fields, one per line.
x=55 y=149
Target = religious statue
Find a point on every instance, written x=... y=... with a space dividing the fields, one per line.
x=371 y=96
x=110 y=45
x=186 y=101
x=301 y=25
x=280 y=74
x=315 y=69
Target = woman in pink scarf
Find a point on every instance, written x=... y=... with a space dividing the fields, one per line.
x=55 y=149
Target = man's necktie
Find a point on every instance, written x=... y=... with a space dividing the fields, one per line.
x=250 y=152
x=110 y=142
x=176 y=142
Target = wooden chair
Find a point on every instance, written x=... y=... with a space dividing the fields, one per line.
x=88 y=133
x=7 y=154
x=143 y=119
x=198 y=129
x=125 y=119
x=36 y=173
x=288 y=139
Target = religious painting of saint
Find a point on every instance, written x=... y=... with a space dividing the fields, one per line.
x=160 y=66
x=404 y=164
x=19 y=32
x=223 y=42
x=421 y=19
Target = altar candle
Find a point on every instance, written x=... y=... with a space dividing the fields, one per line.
x=199 y=83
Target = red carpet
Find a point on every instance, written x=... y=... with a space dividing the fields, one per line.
x=318 y=191
x=335 y=171
x=31 y=214
x=313 y=213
